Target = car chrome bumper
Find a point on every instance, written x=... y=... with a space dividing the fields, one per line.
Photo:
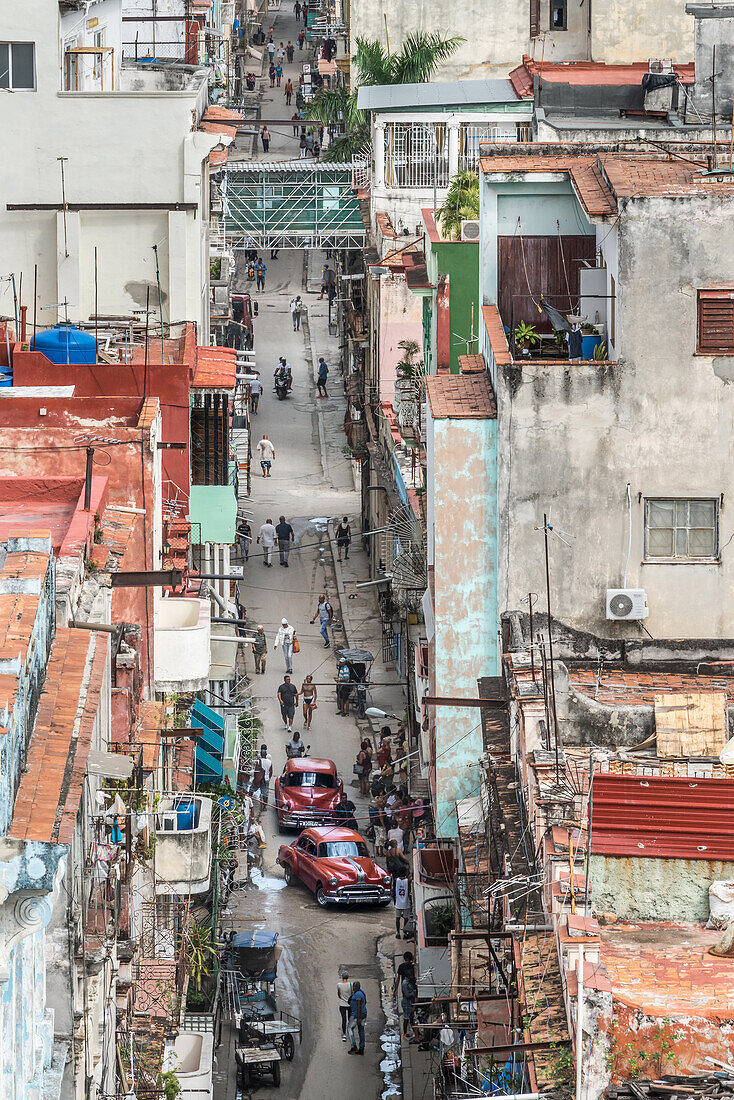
x=348 y=895
x=295 y=820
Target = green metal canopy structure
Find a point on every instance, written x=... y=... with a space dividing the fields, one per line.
x=297 y=204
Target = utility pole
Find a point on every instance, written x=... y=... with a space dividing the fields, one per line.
x=61 y=161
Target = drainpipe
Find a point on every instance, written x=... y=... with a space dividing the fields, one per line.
x=580 y=1021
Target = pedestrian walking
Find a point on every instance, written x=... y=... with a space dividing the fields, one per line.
x=309 y=695
x=296 y=307
x=327 y=281
x=396 y=863
x=265 y=138
x=266 y=539
x=402 y=903
x=244 y=538
x=271 y=51
x=301 y=39
x=285 y=535
x=343 y=538
x=278 y=73
x=256 y=389
x=260 y=269
x=266 y=450
x=288 y=92
x=345 y=811
x=343 y=993
x=321 y=377
x=270 y=35
x=304 y=13
x=260 y=650
x=302 y=147
x=288 y=698
x=296 y=120
x=274 y=253
x=289 y=51
x=405 y=978
x=261 y=781
x=378 y=823
x=286 y=637
x=309 y=144
x=295 y=747
x=324 y=613
x=316 y=149
x=357 y=1017
x=281 y=53
x=271 y=74
x=364 y=763
x=297 y=9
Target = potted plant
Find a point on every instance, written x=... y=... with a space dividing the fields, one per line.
x=526 y=337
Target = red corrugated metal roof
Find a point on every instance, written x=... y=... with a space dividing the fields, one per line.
x=662 y=817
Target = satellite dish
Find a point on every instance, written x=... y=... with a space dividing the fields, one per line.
x=726 y=756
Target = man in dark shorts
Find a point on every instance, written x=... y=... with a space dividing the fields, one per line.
x=288 y=697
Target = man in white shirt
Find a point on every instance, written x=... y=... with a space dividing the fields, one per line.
x=343 y=993
x=266 y=450
x=266 y=538
x=285 y=637
x=402 y=903
x=296 y=307
x=256 y=389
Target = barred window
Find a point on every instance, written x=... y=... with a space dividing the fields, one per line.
x=682 y=530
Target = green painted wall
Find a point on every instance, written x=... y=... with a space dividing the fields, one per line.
x=215 y=508
x=460 y=261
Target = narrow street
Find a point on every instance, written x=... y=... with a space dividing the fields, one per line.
x=311 y=480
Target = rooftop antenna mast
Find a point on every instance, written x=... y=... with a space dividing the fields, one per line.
x=62 y=161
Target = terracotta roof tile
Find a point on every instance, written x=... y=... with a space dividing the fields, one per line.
x=211 y=123
x=472 y=364
x=496 y=334
x=216 y=368
x=50 y=792
x=585 y=73
x=620 y=687
x=461 y=396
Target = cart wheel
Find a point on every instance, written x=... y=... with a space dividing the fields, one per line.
x=288 y=874
x=289 y=1048
x=276 y=1074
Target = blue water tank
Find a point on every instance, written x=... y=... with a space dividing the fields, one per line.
x=66 y=344
x=187 y=813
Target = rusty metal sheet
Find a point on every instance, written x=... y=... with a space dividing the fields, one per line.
x=662 y=817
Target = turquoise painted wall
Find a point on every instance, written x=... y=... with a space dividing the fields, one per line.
x=215 y=508
x=464 y=476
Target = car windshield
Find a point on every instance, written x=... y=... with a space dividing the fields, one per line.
x=343 y=849
x=310 y=779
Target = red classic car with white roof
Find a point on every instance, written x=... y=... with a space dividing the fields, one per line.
x=307 y=792
x=336 y=865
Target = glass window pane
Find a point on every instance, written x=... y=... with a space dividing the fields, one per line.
x=701 y=542
x=660 y=542
x=681 y=513
x=701 y=513
x=660 y=513
x=681 y=542
x=4 y=61
x=23 y=75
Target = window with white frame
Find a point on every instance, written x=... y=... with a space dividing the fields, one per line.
x=18 y=66
x=416 y=154
x=682 y=529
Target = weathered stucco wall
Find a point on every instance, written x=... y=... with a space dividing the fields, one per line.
x=573 y=436
x=465 y=605
x=625 y=30
x=654 y=889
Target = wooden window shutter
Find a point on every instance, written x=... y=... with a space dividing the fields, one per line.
x=534 y=18
x=715 y=321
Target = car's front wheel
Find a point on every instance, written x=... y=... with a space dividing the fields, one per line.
x=321 y=897
x=288 y=874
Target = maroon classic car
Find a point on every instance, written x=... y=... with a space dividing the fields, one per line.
x=336 y=865
x=307 y=792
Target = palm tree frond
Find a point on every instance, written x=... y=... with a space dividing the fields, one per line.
x=461 y=203
x=373 y=65
x=420 y=55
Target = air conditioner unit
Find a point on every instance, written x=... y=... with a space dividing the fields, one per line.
x=470 y=231
x=627 y=604
x=169 y=822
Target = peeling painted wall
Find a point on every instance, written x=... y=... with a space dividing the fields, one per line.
x=654 y=889
x=572 y=436
x=463 y=491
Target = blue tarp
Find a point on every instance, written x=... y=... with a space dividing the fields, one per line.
x=258 y=937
